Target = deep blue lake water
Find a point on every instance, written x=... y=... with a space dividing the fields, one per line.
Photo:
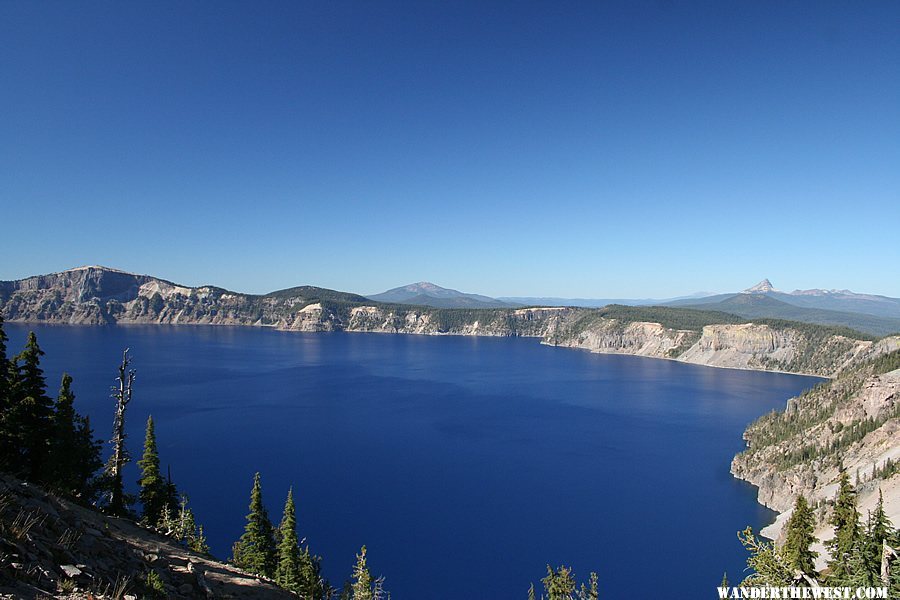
x=464 y=464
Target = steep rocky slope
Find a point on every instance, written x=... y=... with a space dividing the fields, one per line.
x=778 y=346
x=97 y=295
x=850 y=422
x=51 y=548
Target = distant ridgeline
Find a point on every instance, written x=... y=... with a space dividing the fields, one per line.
x=98 y=295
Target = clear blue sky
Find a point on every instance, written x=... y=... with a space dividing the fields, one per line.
x=592 y=149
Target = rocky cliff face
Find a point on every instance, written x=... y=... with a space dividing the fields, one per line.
x=852 y=421
x=96 y=295
x=737 y=346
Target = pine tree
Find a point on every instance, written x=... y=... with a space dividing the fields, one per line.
x=796 y=550
x=30 y=412
x=288 y=574
x=591 y=592
x=180 y=525
x=559 y=584
x=768 y=566
x=255 y=551
x=845 y=520
x=198 y=543
x=154 y=492
x=74 y=453
x=313 y=586
x=89 y=450
x=362 y=587
x=172 y=497
x=879 y=530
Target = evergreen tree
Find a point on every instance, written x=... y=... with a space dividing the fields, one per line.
x=74 y=453
x=363 y=587
x=313 y=585
x=89 y=451
x=29 y=413
x=198 y=543
x=154 y=494
x=768 y=566
x=255 y=551
x=591 y=592
x=879 y=530
x=559 y=584
x=172 y=495
x=845 y=520
x=796 y=550
x=181 y=526
x=288 y=574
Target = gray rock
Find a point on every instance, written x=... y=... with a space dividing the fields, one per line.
x=70 y=570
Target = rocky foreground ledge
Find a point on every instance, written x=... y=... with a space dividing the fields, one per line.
x=52 y=548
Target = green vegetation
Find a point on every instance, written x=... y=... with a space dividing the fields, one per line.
x=361 y=585
x=255 y=551
x=44 y=441
x=669 y=317
x=75 y=455
x=799 y=538
x=816 y=407
x=316 y=294
x=154 y=490
x=296 y=569
x=50 y=444
x=560 y=584
x=47 y=442
x=845 y=519
x=855 y=550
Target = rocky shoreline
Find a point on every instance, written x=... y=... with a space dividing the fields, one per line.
x=851 y=422
x=100 y=296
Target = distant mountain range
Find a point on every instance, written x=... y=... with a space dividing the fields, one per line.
x=597 y=302
x=876 y=315
x=429 y=294
x=96 y=295
x=102 y=295
x=868 y=313
x=425 y=293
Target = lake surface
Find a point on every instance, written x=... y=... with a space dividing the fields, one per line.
x=464 y=464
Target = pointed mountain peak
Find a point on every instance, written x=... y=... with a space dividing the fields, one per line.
x=763 y=287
